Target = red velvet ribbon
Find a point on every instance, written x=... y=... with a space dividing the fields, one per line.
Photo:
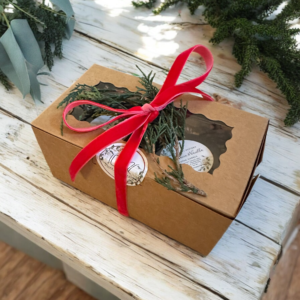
x=136 y=122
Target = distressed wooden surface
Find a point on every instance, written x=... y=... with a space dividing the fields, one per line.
x=126 y=257
x=21 y=155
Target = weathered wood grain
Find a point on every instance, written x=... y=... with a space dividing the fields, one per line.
x=228 y=264
x=270 y=210
x=281 y=162
x=82 y=241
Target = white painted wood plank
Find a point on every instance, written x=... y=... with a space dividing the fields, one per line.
x=237 y=268
x=159 y=39
x=270 y=210
x=282 y=158
x=129 y=271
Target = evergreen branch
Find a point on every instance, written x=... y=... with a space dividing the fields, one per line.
x=250 y=55
x=260 y=38
x=165 y=131
x=148 y=4
x=174 y=180
x=27 y=13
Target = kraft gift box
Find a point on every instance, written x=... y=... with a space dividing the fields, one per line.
x=195 y=221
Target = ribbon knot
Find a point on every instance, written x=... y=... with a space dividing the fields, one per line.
x=136 y=122
x=148 y=108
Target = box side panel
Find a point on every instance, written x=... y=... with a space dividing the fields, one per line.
x=252 y=179
x=168 y=212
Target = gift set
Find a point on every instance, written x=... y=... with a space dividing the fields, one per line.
x=179 y=163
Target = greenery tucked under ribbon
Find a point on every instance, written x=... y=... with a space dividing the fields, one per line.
x=165 y=131
x=262 y=35
x=28 y=30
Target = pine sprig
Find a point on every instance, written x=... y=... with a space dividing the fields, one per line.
x=260 y=38
x=165 y=131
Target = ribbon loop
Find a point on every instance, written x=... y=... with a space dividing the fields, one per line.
x=137 y=120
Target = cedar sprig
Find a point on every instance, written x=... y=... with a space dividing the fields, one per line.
x=168 y=131
x=149 y=91
x=165 y=131
x=260 y=38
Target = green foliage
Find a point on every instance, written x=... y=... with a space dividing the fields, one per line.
x=122 y=98
x=148 y=4
x=164 y=131
x=260 y=38
x=47 y=25
x=53 y=34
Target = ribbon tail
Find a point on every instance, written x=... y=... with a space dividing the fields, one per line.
x=105 y=139
x=121 y=167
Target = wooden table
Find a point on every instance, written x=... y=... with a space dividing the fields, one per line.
x=122 y=255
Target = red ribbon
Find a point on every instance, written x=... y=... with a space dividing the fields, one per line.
x=137 y=120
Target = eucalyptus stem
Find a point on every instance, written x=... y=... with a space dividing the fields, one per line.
x=27 y=13
x=6 y=20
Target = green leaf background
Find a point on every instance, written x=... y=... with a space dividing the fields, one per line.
x=20 y=53
x=20 y=58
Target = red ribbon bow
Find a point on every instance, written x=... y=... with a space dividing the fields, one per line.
x=138 y=118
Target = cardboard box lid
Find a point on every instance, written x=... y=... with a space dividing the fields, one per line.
x=226 y=187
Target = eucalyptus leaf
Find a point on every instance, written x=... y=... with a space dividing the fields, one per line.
x=66 y=7
x=20 y=58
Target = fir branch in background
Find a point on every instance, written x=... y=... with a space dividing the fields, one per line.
x=260 y=38
x=165 y=131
